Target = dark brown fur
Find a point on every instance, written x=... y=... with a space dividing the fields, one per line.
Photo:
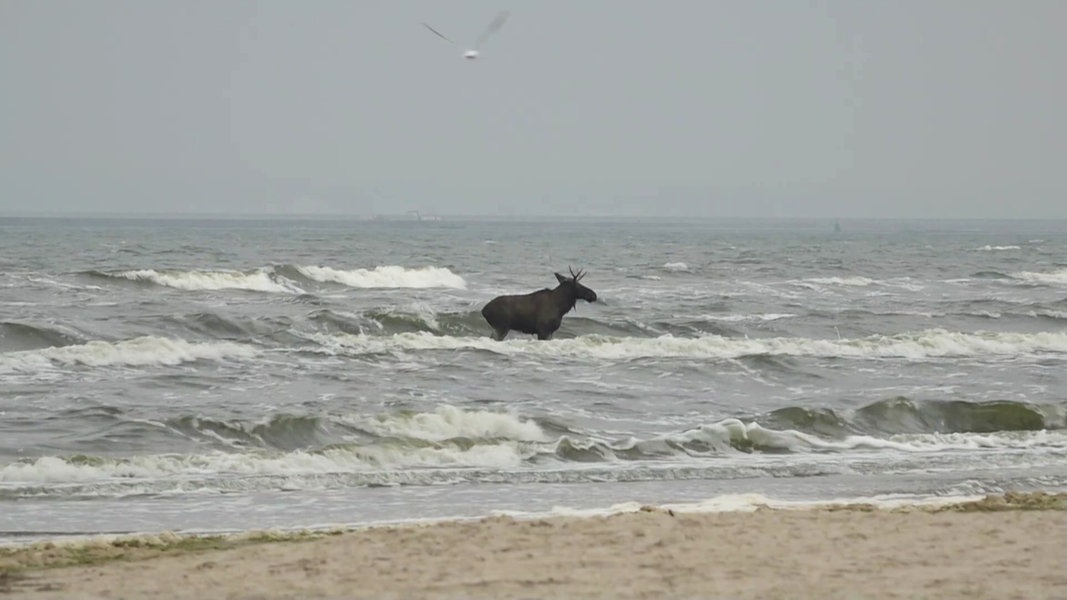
x=539 y=312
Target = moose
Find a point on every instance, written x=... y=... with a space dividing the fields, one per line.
x=539 y=312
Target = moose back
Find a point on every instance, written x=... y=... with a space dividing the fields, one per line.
x=539 y=312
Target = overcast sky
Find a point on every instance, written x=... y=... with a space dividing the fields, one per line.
x=931 y=108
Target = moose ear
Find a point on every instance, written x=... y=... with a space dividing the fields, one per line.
x=560 y=278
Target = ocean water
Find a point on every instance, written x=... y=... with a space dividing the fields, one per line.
x=222 y=375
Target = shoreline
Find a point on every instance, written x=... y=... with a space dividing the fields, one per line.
x=996 y=547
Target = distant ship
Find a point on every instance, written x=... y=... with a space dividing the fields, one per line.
x=420 y=217
x=402 y=217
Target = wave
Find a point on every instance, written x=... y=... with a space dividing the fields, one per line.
x=260 y=280
x=419 y=317
x=236 y=327
x=856 y=281
x=676 y=267
x=900 y=415
x=988 y=274
x=935 y=343
x=449 y=423
x=386 y=277
x=23 y=336
x=286 y=279
x=416 y=318
x=449 y=428
x=821 y=284
x=451 y=444
x=445 y=425
x=279 y=432
x=985 y=308
x=142 y=351
x=422 y=318
x=445 y=437
x=1055 y=278
x=735 y=318
x=990 y=248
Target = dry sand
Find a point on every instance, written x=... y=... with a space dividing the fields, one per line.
x=968 y=551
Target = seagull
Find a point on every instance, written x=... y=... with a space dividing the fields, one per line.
x=472 y=54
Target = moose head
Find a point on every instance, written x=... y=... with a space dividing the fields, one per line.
x=580 y=292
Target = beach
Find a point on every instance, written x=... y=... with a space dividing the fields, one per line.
x=996 y=548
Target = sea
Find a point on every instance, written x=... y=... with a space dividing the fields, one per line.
x=217 y=375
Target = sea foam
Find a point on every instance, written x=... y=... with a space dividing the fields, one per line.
x=258 y=281
x=386 y=277
x=932 y=343
x=451 y=443
x=1055 y=278
x=677 y=267
x=448 y=422
x=142 y=351
x=857 y=281
x=445 y=437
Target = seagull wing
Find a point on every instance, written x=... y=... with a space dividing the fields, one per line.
x=438 y=33
x=497 y=23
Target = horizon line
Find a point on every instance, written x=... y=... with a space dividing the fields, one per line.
x=436 y=217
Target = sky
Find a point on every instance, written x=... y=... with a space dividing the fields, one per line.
x=874 y=109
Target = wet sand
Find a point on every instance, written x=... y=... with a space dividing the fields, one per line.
x=997 y=548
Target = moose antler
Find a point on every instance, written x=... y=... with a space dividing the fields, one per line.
x=576 y=276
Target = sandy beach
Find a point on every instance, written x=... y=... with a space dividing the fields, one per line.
x=995 y=548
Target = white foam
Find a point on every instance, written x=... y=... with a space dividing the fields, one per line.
x=676 y=267
x=259 y=281
x=798 y=441
x=58 y=284
x=386 y=277
x=745 y=503
x=932 y=343
x=721 y=436
x=746 y=318
x=504 y=441
x=1054 y=278
x=449 y=422
x=843 y=281
x=142 y=351
x=1014 y=440
x=989 y=248
x=752 y=502
x=499 y=455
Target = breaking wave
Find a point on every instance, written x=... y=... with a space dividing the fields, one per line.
x=260 y=280
x=386 y=277
x=291 y=279
x=1055 y=278
x=414 y=318
x=449 y=445
x=142 y=351
x=676 y=267
x=933 y=343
